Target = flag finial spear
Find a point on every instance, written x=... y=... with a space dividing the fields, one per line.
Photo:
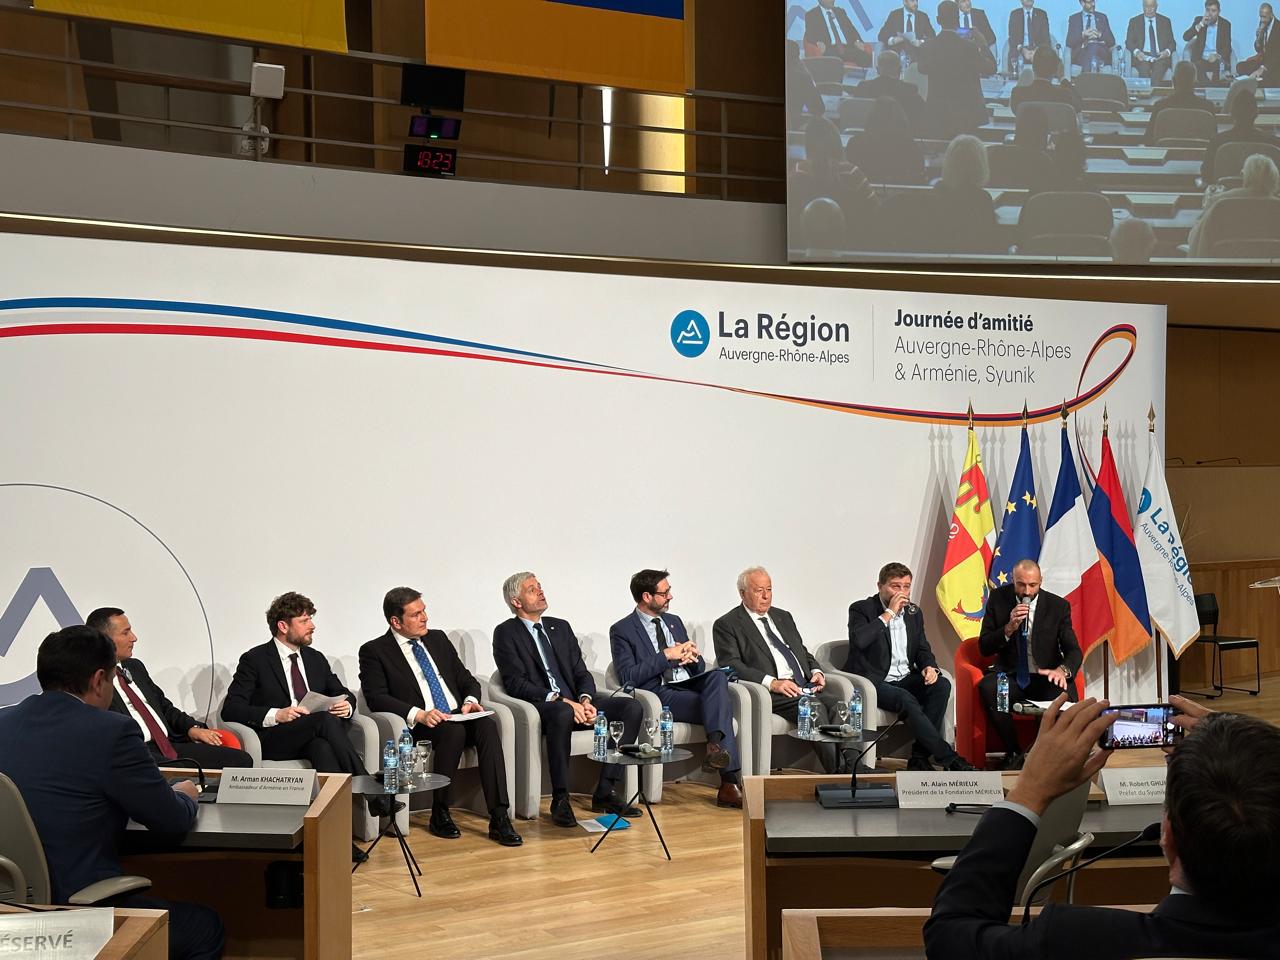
x=970 y=414
x=1151 y=419
x=1024 y=414
x=1104 y=419
x=1063 y=414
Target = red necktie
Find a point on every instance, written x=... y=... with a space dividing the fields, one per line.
x=295 y=676
x=157 y=734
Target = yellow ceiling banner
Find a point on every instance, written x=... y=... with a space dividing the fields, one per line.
x=617 y=43
x=313 y=24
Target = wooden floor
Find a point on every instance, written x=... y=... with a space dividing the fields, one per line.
x=552 y=899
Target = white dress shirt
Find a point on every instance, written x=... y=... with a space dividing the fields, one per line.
x=899 y=666
x=678 y=672
x=142 y=725
x=780 y=662
x=555 y=690
x=284 y=652
x=833 y=27
x=1210 y=39
x=1151 y=36
x=449 y=705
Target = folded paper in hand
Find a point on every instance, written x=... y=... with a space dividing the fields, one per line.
x=464 y=717
x=318 y=703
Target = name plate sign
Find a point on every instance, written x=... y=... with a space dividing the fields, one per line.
x=265 y=785
x=1134 y=784
x=933 y=791
x=60 y=934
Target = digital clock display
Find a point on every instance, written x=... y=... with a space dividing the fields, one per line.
x=430 y=161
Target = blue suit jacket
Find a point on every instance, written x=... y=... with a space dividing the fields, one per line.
x=634 y=657
x=84 y=773
x=1075 y=35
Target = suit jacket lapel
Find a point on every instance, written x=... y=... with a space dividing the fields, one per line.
x=277 y=669
x=751 y=626
x=399 y=666
x=439 y=656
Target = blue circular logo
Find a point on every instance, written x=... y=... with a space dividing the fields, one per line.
x=690 y=334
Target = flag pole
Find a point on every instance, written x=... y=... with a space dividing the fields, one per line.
x=1157 y=646
x=1106 y=647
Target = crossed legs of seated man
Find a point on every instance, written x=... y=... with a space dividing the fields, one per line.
x=1039 y=687
x=448 y=741
x=704 y=699
x=925 y=707
x=320 y=738
x=558 y=726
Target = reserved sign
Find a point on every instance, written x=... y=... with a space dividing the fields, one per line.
x=284 y=787
x=925 y=791
x=1134 y=784
x=61 y=934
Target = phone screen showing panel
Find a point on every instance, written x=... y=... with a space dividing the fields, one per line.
x=1143 y=725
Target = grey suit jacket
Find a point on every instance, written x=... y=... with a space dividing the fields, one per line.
x=739 y=644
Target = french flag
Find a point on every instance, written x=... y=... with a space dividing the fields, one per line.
x=1069 y=560
x=1121 y=569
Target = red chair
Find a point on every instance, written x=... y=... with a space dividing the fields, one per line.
x=973 y=737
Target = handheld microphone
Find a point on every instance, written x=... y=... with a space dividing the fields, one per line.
x=627 y=688
x=830 y=796
x=1150 y=832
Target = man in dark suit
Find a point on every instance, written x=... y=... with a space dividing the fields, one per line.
x=1265 y=65
x=540 y=661
x=173 y=738
x=887 y=645
x=761 y=644
x=975 y=25
x=84 y=773
x=1042 y=89
x=830 y=31
x=1089 y=38
x=1150 y=42
x=1183 y=98
x=888 y=83
x=1208 y=42
x=652 y=650
x=1028 y=32
x=270 y=683
x=415 y=673
x=1028 y=631
x=954 y=65
x=906 y=29
x=1220 y=835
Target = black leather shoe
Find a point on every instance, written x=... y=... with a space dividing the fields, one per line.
x=358 y=855
x=919 y=763
x=612 y=803
x=562 y=812
x=958 y=764
x=442 y=825
x=500 y=829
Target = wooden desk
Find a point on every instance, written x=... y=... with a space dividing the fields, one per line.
x=223 y=863
x=798 y=856
x=140 y=934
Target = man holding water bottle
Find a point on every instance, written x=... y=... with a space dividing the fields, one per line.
x=1028 y=631
x=887 y=645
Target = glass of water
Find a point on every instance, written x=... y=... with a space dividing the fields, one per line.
x=615 y=732
x=650 y=728
x=421 y=760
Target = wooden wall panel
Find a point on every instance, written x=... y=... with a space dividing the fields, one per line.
x=1243 y=613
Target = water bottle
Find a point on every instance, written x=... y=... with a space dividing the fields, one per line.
x=601 y=749
x=855 y=712
x=667 y=726
x=1093 y=63
x=390 y=768
x=1002 y=693
x=805 y=721
x=406 y=753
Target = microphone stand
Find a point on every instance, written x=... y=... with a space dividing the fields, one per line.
x=832 y=796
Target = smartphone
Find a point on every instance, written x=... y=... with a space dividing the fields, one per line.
x=1141 y=725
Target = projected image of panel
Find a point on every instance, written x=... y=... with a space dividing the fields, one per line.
x=1036 y=130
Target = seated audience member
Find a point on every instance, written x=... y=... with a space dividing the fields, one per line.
x=540 y=661
x=1070 y=157
x=1089 y=38
x=652 y=651
x=1028 y=32
x=823 y=225
x=829 y=31
x=1031 y=129
x=1265 y=66
x=888 y=646
x=884 y=151
x=825 y=173
x=1028 y=631
x=1150 y=43
x=1220 y=834
x=1025 y=76
x=954 y=66
x=974 y=23
x=761 y=644
x=905 y=30
x=173 y=738
x=416 y=674
x=1260 y=180
x=84 y=773
x=1208 y=42
x=1244 y=112
x=1183 y=98
x=967 y=217
x=888 y=82
x=1042 y=89
x=1132 y=241
x=802 y=93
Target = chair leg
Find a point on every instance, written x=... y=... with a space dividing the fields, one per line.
x=1215 y=659
x=1257 y=666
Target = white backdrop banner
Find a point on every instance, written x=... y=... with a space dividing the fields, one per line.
x=193 y=431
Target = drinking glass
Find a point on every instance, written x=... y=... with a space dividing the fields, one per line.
x=615 y=732
x=421 y=758
x=650 y=728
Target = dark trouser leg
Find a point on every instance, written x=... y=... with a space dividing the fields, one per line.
x=630 y=713
x=1039 y=688
x=485 y=735
x=209 y=756
x=822 y=707
x=320 y=738
x=448 y=740
x=195 y=931
x=1207 y=72
x=925 y=705
x=705 y=699
x=557 y=727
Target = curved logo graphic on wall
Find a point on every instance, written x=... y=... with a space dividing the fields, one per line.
x=690 y=334
x=68 y=552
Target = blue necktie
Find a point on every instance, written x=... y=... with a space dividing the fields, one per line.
x=429 y=674
x=558 y=684
x=1024 y=662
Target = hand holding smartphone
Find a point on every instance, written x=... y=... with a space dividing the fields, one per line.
x=1141 y=726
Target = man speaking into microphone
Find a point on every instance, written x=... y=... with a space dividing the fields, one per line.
x=1028 y=631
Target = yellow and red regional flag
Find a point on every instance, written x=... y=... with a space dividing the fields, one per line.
x=962 y=588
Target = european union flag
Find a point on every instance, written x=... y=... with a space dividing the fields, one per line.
x=1020 y=529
